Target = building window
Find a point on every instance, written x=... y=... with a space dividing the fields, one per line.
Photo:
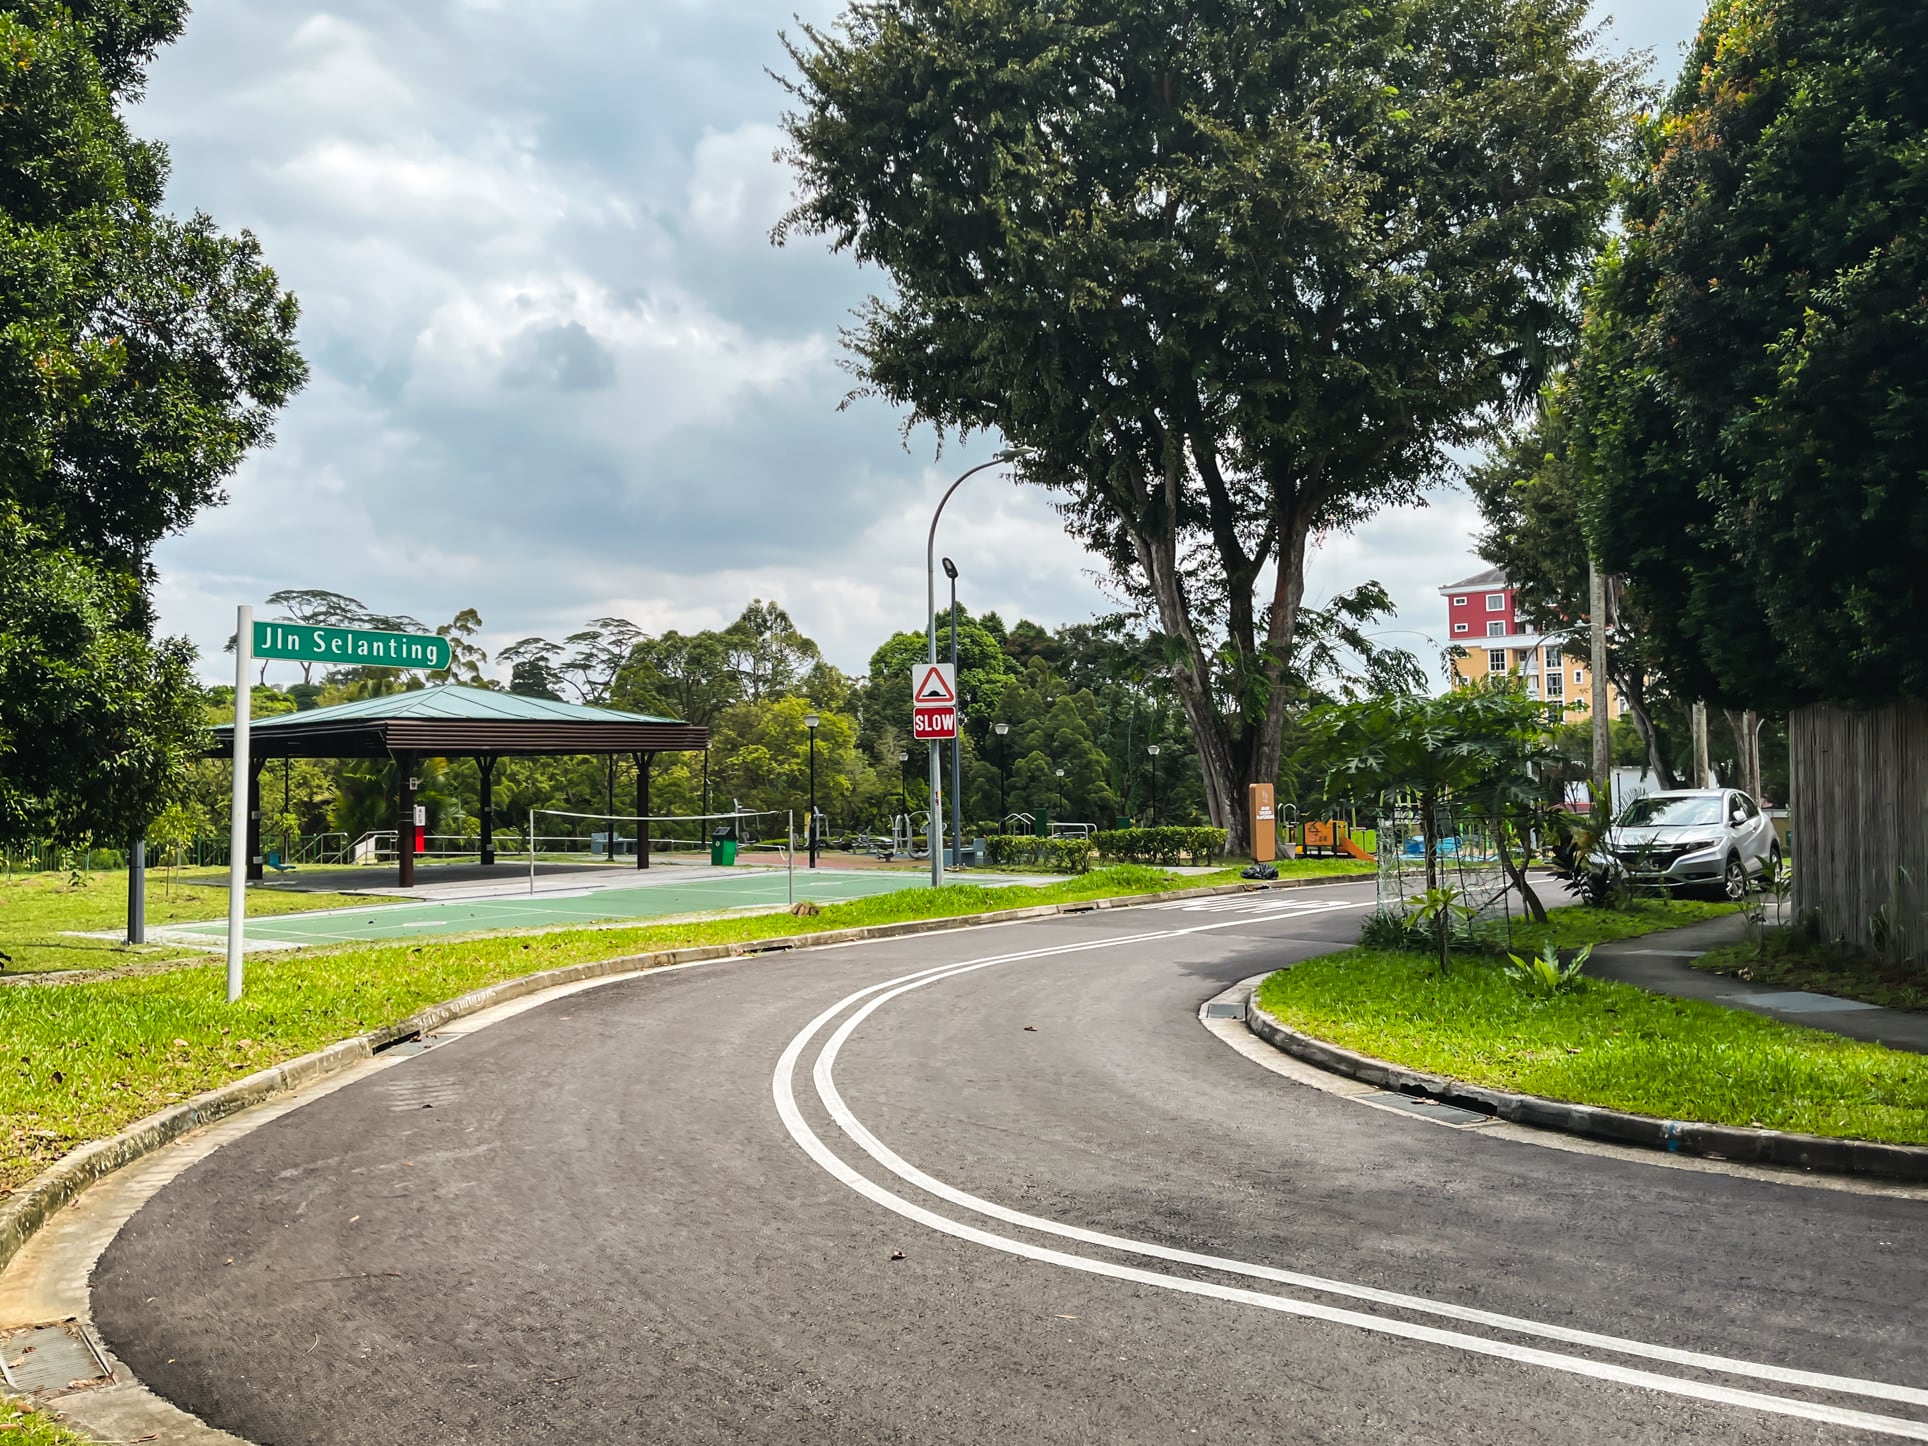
x=1553 y=680
x=1579 y=677
x=1496 y=630
x=1462 y=627
x=1496 y=660
x=1553 y=660
x=1459 y=602
x=1496 y=602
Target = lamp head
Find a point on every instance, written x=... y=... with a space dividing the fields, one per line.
x=903 y=755
x=1061 y=773
x=1000 y=729
x=950 y=569
x=811 y=720
x=1153 y=750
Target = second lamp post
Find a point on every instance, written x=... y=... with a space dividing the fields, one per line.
x=810 y=721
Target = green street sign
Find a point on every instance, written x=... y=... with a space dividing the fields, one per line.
x=302 y=643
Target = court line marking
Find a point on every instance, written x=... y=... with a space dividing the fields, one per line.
x=782 y=1087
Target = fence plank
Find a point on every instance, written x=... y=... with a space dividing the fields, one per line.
x=1859 y=806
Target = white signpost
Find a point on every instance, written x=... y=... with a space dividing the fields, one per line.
x=282 y=640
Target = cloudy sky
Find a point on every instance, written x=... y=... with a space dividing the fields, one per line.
x=558 y=370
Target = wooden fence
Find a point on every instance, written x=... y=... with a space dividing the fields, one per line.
x=1859 y=800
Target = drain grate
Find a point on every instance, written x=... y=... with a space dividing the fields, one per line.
x=49 y=1359
x=1227 y=1009
x=1425 y=1108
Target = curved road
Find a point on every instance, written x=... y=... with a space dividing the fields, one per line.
x=1030 y=1200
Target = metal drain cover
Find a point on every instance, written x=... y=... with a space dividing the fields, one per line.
x=1226 y=1009
x=48 y=1359
x=1425 y=1108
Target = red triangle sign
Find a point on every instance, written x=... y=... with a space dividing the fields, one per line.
x=934 y=687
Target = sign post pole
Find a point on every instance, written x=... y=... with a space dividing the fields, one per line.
x=933 y=717
x=238 y=811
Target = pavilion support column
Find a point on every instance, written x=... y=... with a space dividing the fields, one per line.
x=255 y=869
x=404 y=822
x=643 y=764
x=485 y=763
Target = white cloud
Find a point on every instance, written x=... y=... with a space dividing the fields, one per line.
x=738 y=189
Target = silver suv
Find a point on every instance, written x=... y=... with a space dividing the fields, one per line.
x=1714 y=838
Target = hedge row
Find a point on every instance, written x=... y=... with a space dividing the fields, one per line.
x=1163 y=846
x=1067 y=855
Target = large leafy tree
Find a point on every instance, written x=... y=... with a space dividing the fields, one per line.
x=141 y=357
x=1755 y=374
x=1230 y=275
x=98 y=726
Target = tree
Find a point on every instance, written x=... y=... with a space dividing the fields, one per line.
x=766 y=652
x=1478 y=744
x=141 y=356
x=1755 y=371
x=1229 y=275
x=466 y=659
x=1531 y=491
x=679 y=675
x=98 y=725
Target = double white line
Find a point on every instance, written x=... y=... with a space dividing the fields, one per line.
x=877 y=995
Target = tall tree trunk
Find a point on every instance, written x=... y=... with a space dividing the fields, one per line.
x=1633 y=687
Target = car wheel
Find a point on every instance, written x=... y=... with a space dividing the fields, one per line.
x=1734 y=882
x=1771 y=870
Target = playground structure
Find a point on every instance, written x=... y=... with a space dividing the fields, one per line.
x=1327 y=838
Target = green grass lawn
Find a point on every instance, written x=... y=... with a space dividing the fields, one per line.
x=1793 y=965
x=25 y=1426
x=1324 y=868
x=1574 y=925
x=37 y=910
x=1607 y=1044
x=88 y=1058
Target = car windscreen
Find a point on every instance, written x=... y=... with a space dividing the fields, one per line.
x=1662 y=812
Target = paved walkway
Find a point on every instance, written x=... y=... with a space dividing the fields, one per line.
x=1659 y=962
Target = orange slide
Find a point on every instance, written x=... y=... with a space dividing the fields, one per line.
x=1346 y=845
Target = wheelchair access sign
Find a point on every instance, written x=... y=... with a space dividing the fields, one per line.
x=933 y=703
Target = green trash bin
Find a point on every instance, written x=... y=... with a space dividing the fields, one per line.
x=722 y=850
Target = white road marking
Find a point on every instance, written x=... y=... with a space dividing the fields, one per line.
x=783 y=1093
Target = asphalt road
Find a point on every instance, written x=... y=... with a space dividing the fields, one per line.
x=671 y=1209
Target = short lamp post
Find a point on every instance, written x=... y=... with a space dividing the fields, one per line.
x=1003 y=771
x=810 y=721
x=1153 y=751
x=1060 y=795
x=903 y=783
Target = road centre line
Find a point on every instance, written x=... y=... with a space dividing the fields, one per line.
x=807 y=1139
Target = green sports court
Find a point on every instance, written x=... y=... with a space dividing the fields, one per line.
x=557 y=904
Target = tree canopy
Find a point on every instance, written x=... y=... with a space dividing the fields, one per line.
x=141 y=357
x=1229 y=275
x=1755 y=373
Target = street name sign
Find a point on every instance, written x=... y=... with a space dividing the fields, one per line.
x=305 y=643
x=933 y=703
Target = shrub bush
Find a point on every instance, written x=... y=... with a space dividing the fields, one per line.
x=1067 y=855
x=1163 y=845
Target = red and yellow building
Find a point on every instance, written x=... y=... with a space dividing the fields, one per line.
x=1483 y=621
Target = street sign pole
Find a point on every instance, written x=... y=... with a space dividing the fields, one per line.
x=238 y=813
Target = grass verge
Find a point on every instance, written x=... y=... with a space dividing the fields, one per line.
x=1781 y=960
x=1575 y=925
x=27 y=1427
x=36 y=910
x=1606 y=1044
x=87 y=1059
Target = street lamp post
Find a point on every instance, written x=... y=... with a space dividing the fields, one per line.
x=1153 y=751
x=957 y=743
x=903 y=785
x=1003 y=751
x=810 y=721
x=930 y=625
x=1060 y=795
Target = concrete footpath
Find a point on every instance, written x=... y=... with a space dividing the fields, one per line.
x=1661 y=963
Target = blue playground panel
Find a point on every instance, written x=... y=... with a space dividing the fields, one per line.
x=563 y=909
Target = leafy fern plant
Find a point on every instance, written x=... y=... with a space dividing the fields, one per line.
x=1544 y=975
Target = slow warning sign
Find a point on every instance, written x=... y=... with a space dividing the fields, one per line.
x=933 y=702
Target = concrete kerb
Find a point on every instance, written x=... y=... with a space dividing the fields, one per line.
x=40 y=1198
x=1715 y=1142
